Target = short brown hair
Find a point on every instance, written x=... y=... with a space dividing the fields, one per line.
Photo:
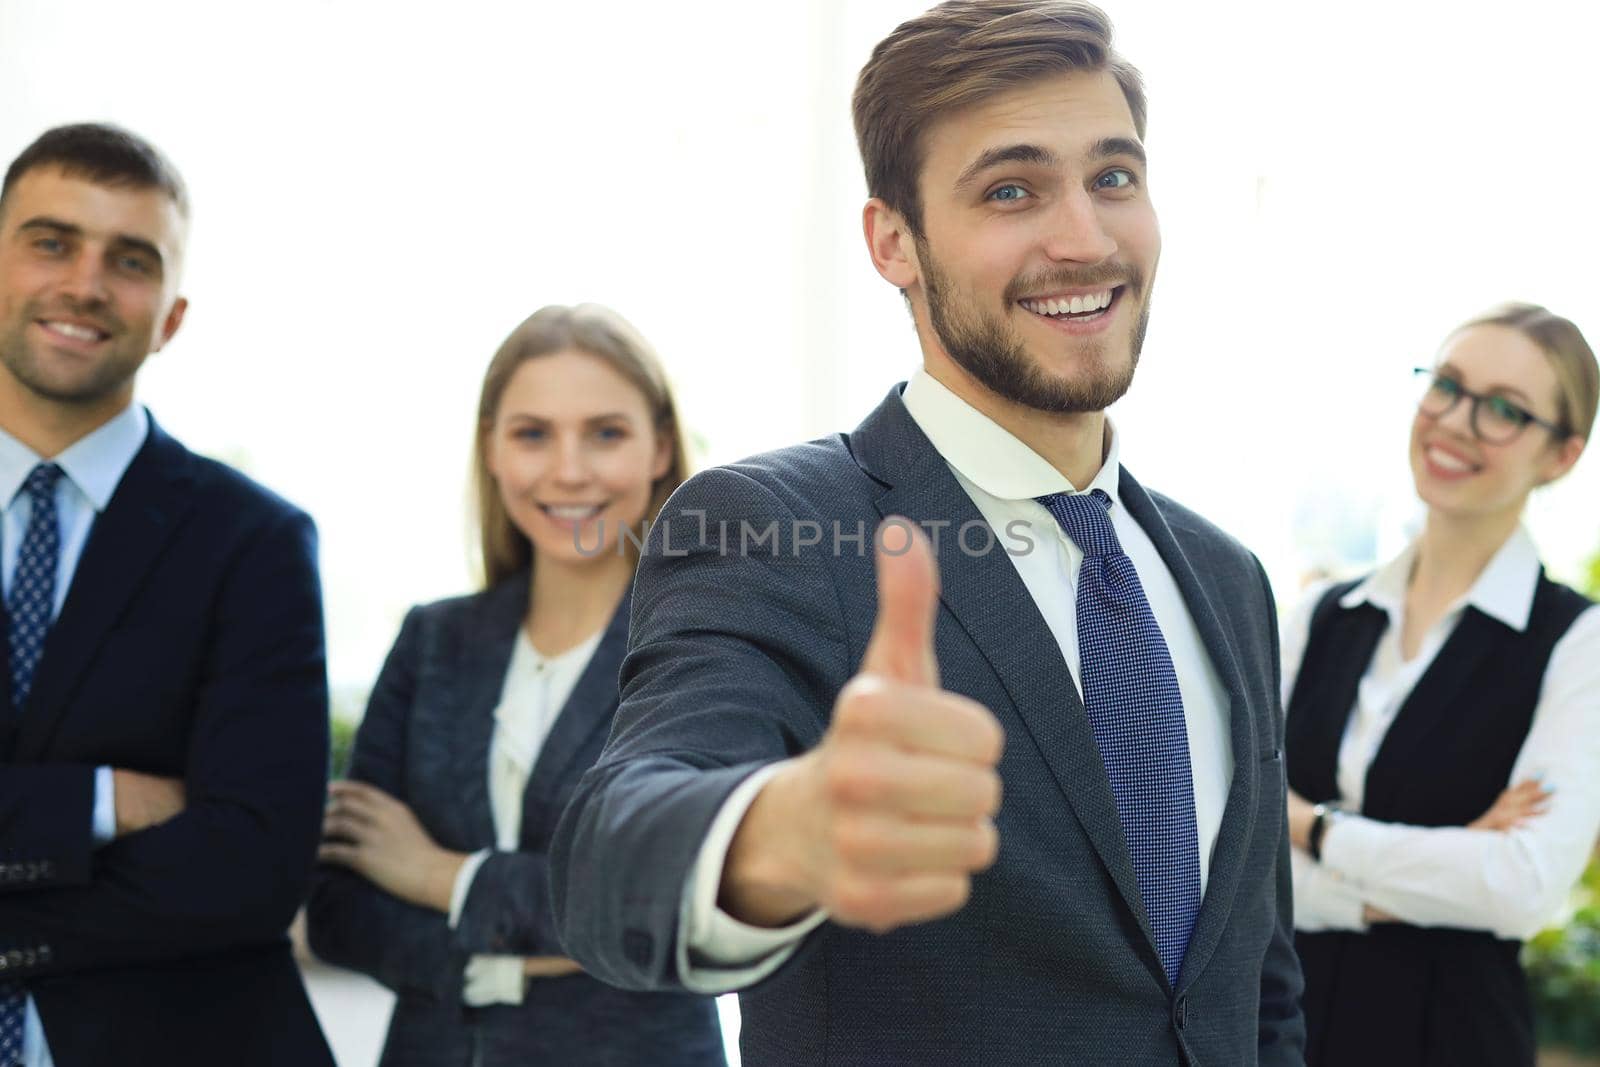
x=1577 y=374
x=961 y=53
x=103 y=154
x=594 y=330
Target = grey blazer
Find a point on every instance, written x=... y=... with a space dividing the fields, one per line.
x=738 y=650
x=425 y=739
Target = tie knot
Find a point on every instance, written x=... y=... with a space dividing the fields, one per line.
x=41 y=481
x=1086 y=519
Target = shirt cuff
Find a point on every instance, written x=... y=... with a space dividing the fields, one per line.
x=493 y=980
x=1350 y=846
x=463 y=885
x=1323 y=899
x=104 y=827
x=723 y=953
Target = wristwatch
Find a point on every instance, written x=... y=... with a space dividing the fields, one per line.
x=1321 y=816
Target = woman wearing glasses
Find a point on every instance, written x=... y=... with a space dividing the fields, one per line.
x=1443 y=740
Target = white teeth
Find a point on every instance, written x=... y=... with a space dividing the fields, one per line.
x=1073 y=305
x=81 y=333
x=571 y=512
x=1447 y=461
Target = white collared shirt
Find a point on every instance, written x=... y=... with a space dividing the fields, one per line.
x=535 y=690
x=1002 y=476
x=1511 y=884
x=93 y=467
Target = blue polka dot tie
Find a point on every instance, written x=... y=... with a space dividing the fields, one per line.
x=1135 y=708
x=29 y=605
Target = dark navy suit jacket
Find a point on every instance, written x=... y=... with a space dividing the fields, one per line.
x=425 y=739
x=190 y=645
x=737 y=655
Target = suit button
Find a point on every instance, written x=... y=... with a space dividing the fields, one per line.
x=1180 y=1012
x=3 y=964
x=29 y=957
x=47 y=869
x=14 y=958
x=46 y=954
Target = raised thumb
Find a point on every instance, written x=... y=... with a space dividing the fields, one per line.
x=901 y=646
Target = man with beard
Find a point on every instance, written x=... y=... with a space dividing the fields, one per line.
x=801 y=797
x=163 y=721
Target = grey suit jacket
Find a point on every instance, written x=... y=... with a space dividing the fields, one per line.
x=737 y=654
x=425 y=740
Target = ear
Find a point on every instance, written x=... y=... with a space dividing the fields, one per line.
x=891 y=244
x=665 y=437
x=1562 y=458
x=169 y=328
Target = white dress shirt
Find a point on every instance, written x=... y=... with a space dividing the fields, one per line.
x=1511 y=884
x=535 y=690
x=92 y=466
x=1002 y=476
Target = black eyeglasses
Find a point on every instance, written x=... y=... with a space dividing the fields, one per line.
x=1494 y=419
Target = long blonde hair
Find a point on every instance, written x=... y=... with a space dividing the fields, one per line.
x=594 y=330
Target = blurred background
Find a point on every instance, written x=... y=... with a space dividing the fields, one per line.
x=383 y=190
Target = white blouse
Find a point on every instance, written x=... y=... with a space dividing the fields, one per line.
x=536 y=688
x=1511 y=884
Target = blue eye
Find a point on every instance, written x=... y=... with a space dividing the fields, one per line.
x=1008 y=194
x=529 y=433
x=134 y=265
x=49 y=244
x=1115 y=179
x=610 y=433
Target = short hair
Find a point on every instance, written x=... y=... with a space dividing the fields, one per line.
x=1577 y=374
x=594 y=330
x=103 y=154
x=961 y=53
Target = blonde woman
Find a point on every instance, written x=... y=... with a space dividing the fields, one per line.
x=1444 y=725
x=489 y=709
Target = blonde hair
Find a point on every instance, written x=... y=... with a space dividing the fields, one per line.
x=1577 y=374
x=594 y=330
x=958 y=54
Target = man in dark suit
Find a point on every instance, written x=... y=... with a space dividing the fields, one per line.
x=801 y=797
x=163 y=726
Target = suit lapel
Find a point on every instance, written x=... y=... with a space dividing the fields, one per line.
x=488 y=635
x=150 y=502
x=987 y=598
x=593 y=701
x=1201 y=594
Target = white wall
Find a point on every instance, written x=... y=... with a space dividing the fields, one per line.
x=383 y=190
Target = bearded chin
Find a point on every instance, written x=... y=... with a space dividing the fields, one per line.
x=991 y=352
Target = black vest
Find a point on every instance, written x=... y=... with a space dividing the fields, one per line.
x=1400 y=994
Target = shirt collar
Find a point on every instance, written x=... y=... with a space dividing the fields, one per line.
x=95 y=463
x=1504 y=590
x=989 y=456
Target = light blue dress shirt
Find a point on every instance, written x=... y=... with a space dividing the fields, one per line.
x=93 y=467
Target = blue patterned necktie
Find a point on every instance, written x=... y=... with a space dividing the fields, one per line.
x=1135 y=708
x=29 y=606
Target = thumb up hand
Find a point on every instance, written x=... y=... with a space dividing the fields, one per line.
x=884 y=822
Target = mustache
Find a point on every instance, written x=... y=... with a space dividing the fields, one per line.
x=1107 y=275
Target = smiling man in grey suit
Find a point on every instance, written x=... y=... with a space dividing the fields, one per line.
x=801 y=797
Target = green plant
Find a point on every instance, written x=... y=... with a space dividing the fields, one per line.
x=1563 y=963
